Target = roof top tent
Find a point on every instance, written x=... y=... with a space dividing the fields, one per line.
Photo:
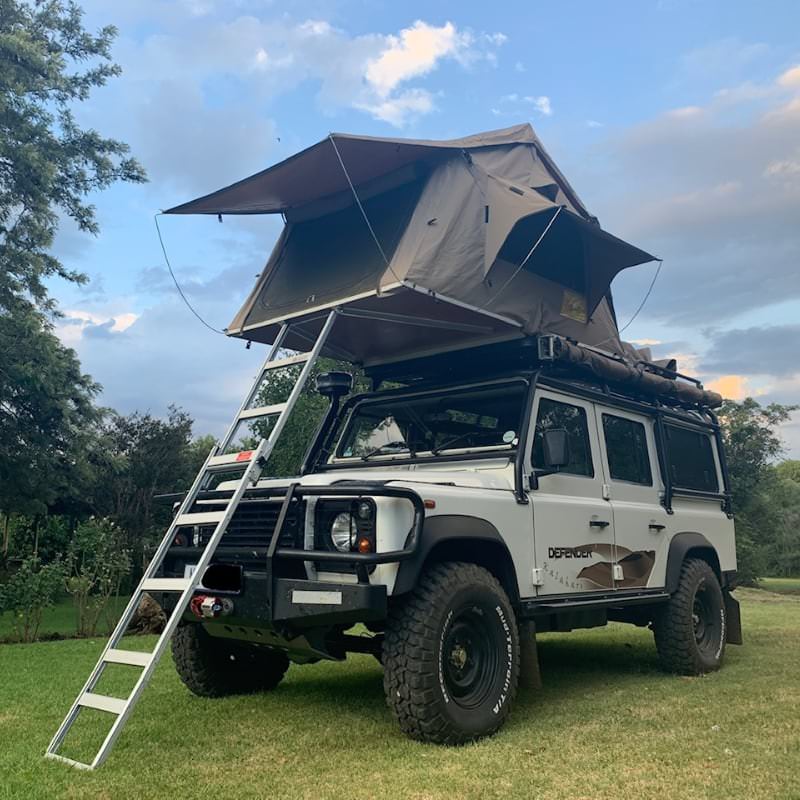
x=426 y=246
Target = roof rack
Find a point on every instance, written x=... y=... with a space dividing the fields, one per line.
x=556 y=354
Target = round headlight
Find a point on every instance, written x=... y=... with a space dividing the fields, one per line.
x=343 y=532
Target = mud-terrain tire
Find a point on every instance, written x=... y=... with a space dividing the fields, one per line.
x=451 y=656
x=216 y=667
x=690 y=629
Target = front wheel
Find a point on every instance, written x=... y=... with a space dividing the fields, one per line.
x=215 y=667
x=690 y=629
x=451 y=656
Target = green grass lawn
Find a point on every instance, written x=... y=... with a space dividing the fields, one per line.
x=607 y=724
x=781 y=585
x=59 y=620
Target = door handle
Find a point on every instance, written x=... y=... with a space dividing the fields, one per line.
x=598 y=523
x=656 y=527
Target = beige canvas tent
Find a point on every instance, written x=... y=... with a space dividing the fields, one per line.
x=427 y=245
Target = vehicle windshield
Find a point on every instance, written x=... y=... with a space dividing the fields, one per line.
x=486 y=417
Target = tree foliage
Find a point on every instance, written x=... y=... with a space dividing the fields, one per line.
x=752 y=445
x=97 y=562
x=48 y=163
x=28 y=592
x=47 y=416
x=145 y=456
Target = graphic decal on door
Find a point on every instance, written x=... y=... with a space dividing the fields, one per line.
x=636 y=566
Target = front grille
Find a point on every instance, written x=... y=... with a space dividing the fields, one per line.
x=253 y=523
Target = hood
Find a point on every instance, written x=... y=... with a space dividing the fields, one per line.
x=468 y=478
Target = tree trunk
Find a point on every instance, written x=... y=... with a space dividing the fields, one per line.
x=5 y=535
x=36 y=536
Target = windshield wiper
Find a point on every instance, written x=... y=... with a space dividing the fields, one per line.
x=379 y=450
x=456 y=439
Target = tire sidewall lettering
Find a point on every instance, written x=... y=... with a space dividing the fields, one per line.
x=502 y=692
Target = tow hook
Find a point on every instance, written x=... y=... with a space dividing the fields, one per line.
x=207 y=607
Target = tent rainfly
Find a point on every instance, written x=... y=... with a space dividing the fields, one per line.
x=426 y=245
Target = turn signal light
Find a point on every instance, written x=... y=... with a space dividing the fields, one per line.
x=364 y=545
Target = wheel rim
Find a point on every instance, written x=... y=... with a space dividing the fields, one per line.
x=470 y=658
x=703 y=617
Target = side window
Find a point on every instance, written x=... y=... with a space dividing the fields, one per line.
x=626 y=448
x=553 y=414
x=690 y=459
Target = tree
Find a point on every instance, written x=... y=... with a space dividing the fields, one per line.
x=48 y=167
x=306 y=416
x=48 y=164
x=145 y=456
x=47 y=419
x=752 y=445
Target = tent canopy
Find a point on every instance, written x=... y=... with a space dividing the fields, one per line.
x=482 y=233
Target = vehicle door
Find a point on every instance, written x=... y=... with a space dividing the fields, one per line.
x=641 y=523
x=573 y=523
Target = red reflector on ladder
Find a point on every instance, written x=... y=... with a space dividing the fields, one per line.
x=245 y=455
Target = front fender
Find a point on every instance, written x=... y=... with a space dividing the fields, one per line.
x=456 y=537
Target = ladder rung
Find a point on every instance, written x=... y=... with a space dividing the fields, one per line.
x=199 y=518
x=165 y=584
x=262 y=411
x=102 y=702
x=134 y=658
x=230 y=459
x=71 y=761
x=289 y=361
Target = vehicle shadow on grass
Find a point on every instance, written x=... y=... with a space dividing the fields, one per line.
x=568 y=667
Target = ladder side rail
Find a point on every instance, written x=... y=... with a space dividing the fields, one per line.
x=177 y=613
x=133 y=604
x=301 y=381
x=273 y=351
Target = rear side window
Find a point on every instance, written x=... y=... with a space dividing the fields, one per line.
x=691 y=460
x=553 y=414
x=626 y=448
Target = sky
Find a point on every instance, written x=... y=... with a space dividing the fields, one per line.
x=677 y=122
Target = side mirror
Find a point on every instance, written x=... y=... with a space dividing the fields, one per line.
x=555 y=447
x=334 y=385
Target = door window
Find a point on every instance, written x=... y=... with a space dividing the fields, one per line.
x=553 y=414
x=626 y=450
x=690 y=459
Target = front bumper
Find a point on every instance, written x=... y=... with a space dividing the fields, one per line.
x=276 y=610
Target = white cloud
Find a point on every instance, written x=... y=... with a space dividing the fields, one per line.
x=414 y=52
x=541 y=104
x=783 y=168
x=514 y=103
x=372 y=72
x=397 y=109
x=593 y=123
x=76 y=323
x=791 y=78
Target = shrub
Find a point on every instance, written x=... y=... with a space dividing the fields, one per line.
x=97 y=562
x=28 y=591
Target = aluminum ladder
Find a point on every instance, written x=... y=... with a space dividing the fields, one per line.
x=218 y=461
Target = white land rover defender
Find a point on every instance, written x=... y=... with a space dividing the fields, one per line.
x=496 y=486
x=517 y=466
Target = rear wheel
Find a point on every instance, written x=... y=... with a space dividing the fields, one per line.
x=690 y=629
x=214 y=667
x=451 y=656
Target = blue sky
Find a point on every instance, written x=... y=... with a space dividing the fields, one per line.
x=677 y=122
